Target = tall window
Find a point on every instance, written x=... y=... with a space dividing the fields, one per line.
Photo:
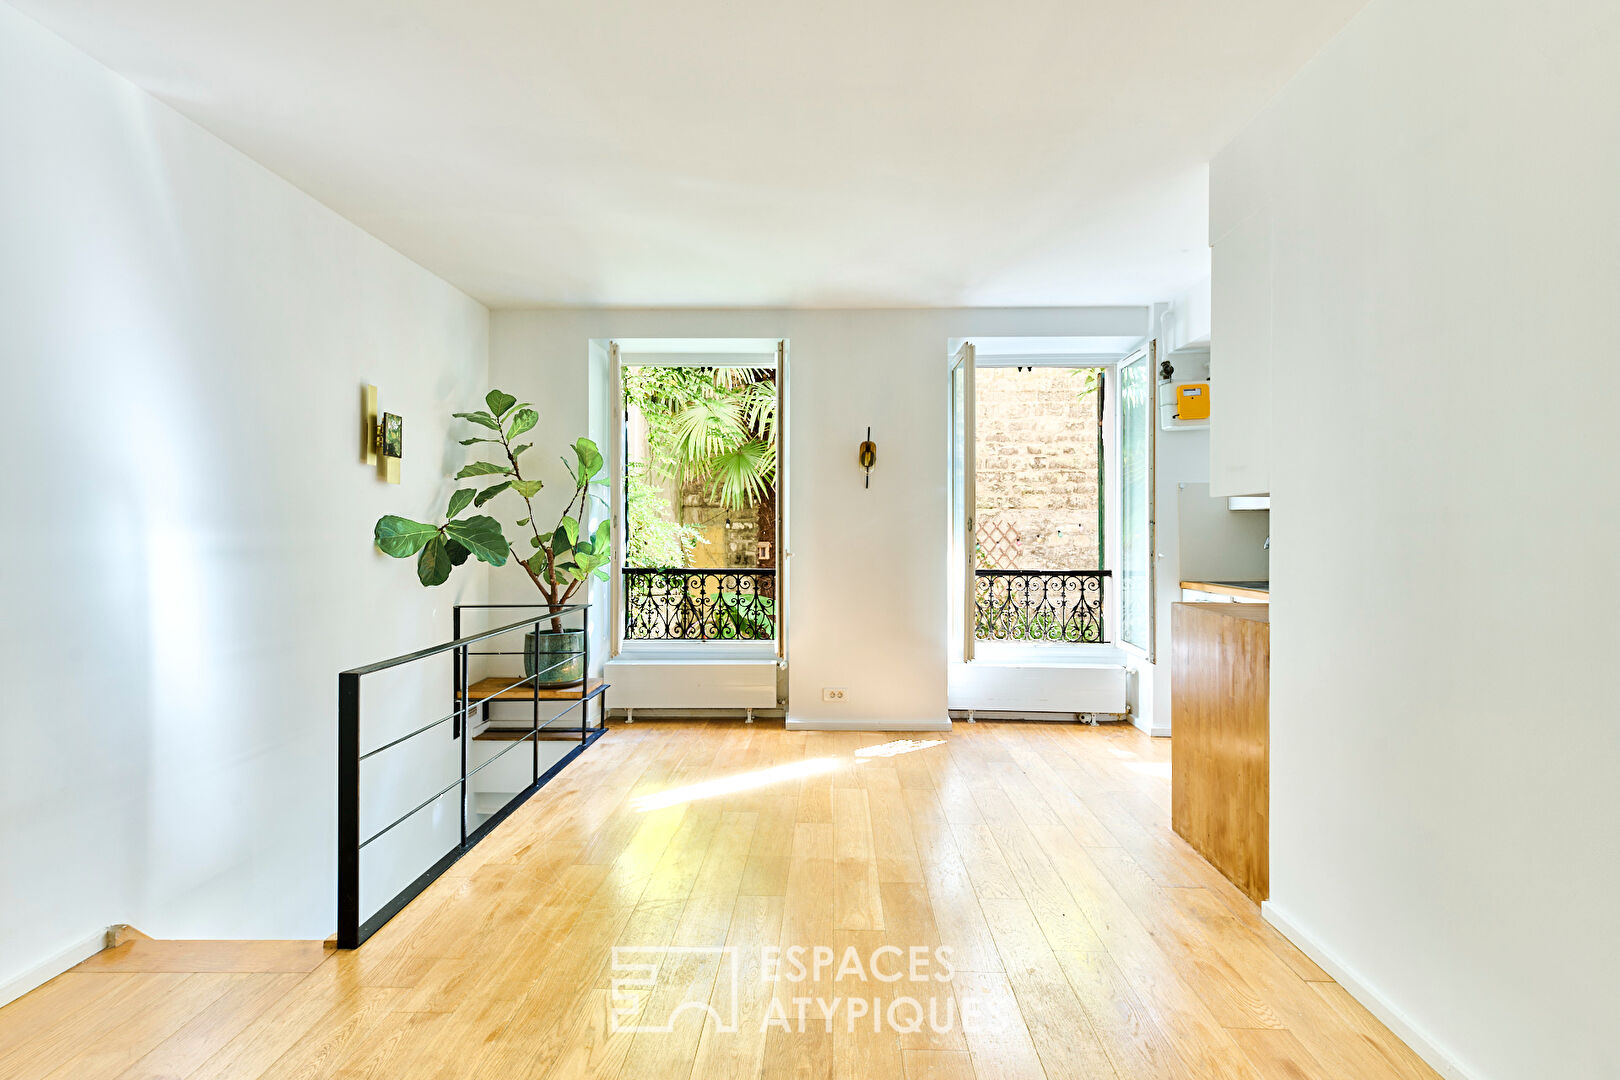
x=700 y=502
x=1051 y=481
x=1039 y=493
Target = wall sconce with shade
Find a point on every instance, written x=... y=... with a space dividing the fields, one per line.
x=868 y=456
x=382 y=437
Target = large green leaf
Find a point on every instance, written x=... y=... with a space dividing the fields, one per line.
x=527 y=488
x=743 y=475
x=707 y=426
x=433 y=568
x=522 y=421
x=587 y=562
x=482 y=536
x=595 y=544
x=490 y=492
x=569 y=527
x=482 y=418
x=562 y=547
x=482 y=468
x=595 y=551
x=402 y=537
x=499 y=402
x=459 y=500
x=458 y=554
x=590 y=461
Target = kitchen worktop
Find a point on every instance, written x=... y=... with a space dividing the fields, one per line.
x=1248 y=590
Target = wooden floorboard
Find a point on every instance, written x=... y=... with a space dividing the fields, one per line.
x=1084 y=939
x=242 y=957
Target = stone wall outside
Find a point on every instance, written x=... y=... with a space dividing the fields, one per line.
x=1037 y=482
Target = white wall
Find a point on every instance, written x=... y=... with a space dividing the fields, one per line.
x=1184 y=322
x=184 y=337
x=1440 y=186
x=1217 y=543
x=867 y=579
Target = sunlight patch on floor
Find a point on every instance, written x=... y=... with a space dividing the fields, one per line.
x=898 y=747
x=729 y=785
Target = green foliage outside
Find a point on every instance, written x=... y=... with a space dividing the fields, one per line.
x=746 y=617
x=717 y=424
x=651 y=539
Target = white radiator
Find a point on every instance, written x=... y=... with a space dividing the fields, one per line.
x=1015 y=687
x=691 y=684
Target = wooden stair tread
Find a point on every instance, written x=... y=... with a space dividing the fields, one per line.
x=515 y=734
x=500 y=688
x=145 y=954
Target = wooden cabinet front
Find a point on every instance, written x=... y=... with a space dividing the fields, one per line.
x=1220 y=737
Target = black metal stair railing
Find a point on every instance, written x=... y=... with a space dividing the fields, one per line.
x=672 y=604
x=1040 y=605
x=355 y=833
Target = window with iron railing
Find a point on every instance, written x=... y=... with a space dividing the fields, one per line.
x=675 y=604
x=1040 y=606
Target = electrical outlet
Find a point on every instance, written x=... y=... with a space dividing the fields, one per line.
x=832 y=693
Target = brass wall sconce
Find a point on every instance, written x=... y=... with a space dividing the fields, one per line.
x=868 y=456
x=382 y=437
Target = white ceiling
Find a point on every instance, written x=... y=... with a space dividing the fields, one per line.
x=821 y=153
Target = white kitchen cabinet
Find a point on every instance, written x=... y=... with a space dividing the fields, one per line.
x=1240 y=359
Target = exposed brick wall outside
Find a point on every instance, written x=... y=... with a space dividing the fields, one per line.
x=1037 y=479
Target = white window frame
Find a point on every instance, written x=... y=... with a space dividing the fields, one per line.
x=997 y=652
x=675 y=651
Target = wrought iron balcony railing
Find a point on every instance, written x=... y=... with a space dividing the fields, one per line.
x=699 y=605
x=1040 y=605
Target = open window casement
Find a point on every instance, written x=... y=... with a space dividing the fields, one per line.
x=784 y=553
x=617 y=449
x=1137 y=540
x=962 y=497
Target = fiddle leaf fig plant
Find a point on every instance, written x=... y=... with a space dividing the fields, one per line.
x=559 y=562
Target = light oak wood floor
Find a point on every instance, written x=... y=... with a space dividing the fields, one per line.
x=1085 y=939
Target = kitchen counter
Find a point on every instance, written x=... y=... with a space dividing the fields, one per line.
x=1245 y=590
x=1220 y=755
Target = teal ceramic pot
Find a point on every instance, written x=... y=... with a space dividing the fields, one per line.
x=549 y=653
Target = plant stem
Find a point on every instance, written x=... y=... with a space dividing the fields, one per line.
x=548 y=585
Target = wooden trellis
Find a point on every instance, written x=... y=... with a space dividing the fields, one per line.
x=999 y=545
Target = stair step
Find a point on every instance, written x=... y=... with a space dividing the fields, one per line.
x=151 y=955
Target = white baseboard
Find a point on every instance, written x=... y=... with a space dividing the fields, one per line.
x=726 y=713
x=1146 y=726
x=52 y=966
x=1442 y=1061
x=942 y=723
